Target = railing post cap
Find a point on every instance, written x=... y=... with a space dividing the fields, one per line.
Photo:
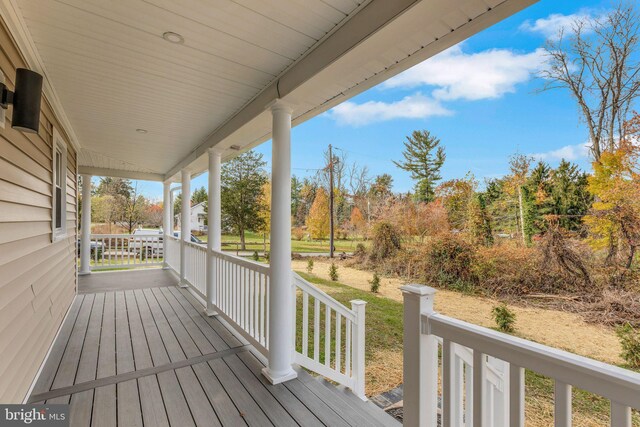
x=419 y=290
x=357 y=302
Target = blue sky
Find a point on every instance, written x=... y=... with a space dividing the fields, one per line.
x=481 y=98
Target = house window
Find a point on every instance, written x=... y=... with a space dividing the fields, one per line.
x=59 y=212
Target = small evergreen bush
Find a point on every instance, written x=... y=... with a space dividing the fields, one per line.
x=255 y=256
x=375 y=283
x=309 y=265
x=333 y=272
x=504 y=318
x=630 y=341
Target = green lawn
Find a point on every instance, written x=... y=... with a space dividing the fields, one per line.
x=255 y=242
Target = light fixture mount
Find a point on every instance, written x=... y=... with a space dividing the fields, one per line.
x=172 y=37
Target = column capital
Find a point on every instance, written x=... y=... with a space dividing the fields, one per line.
x=215 y=151
x=280 y=105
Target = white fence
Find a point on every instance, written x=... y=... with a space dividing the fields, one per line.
x=322 y=319
x=114 y=251
x=489 y=391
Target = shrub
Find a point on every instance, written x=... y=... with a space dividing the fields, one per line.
x=297 y=233
x=630 y=341
x=360 y=251
x=267 y=256
x=309 y=265
x=255 y=256
x=504 y=318
x=333 y=272
x=451 y=258
x=386 y=241
x=375 y=283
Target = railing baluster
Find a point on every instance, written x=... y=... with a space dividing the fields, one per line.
x=562 y=404
x=620 y=415
x=449 y=403
x=316 y=330
x=305 y=323
x=458 y=390
x=479 y=377
x=338 y=354
x=327 y=335
x=347 y=347
x=516 y=396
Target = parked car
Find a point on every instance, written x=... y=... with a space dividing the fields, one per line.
x=146 y=241
x=95 y=246
x=194 y=239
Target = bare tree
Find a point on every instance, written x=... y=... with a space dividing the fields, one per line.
x=596 y=58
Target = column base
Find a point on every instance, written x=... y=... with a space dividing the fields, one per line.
x=183 y=284
x=210 y=312
x=279 y=378
x=84 y=273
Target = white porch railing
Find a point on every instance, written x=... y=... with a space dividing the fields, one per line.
x=242 y=297
x=173 y=252
x=498 y=362
x=331 y=336
x=109 y=251
x=195 y=267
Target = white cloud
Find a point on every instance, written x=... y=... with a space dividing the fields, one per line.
x=551 y=25
x=568 y=152
x=471 y=76
x=415 y=106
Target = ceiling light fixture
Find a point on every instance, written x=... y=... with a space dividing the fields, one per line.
x=172 y=37
x=235 y=147
x=141 y=130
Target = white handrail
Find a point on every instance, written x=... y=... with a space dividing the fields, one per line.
x=498 y=365
x=110 y=251
x=342 y=362
x=614 y=383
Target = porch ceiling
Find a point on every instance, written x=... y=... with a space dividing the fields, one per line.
x=113 y=72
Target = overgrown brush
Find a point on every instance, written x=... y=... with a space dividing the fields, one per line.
x=309 y=265
x=386 y=241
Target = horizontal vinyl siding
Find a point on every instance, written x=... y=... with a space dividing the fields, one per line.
x=37 y=277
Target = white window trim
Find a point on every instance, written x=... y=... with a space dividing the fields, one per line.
x=59 y=145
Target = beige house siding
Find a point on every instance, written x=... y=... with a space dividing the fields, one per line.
x=37 y=277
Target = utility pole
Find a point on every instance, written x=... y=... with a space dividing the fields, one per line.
x=330 y=202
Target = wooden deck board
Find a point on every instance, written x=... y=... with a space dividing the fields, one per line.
x=151 y=357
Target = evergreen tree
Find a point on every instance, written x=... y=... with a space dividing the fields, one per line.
x=198 y=196
x=423 y=157
x=242 y=180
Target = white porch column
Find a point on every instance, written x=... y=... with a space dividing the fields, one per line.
x=185 y=226
x=214 y=221
x=85 y=242
x=281 y=303
x=166 y=221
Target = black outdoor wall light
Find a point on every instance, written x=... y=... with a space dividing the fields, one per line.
x=26 y=100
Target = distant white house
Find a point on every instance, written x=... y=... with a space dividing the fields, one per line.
x=197 y=218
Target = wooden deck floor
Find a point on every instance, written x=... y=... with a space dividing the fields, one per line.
x=151 y=357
